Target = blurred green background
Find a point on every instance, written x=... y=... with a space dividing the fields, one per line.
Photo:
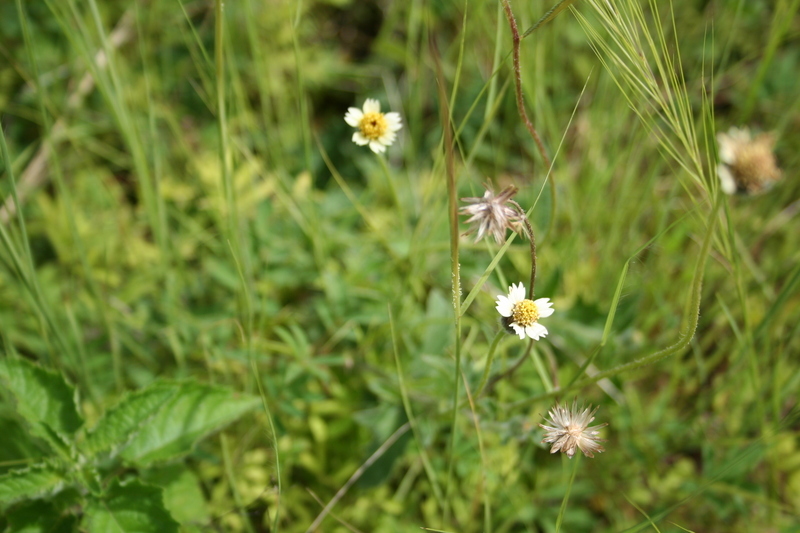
x=260 y=245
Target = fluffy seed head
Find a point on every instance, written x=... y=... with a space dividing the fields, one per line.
x=570 y=431
x=491 y=214
x=747 y=164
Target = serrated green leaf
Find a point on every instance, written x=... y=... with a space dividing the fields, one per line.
x=34 y=482
x=121 y=423
x=43 y=397
x=195 y=411
x=130 y=508
x=39 y=517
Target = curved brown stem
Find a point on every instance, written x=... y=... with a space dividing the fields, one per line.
x=512 y=22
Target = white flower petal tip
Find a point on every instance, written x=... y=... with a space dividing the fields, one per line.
x=376 y=129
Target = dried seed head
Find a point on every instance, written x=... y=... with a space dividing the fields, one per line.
x=747 y=164
x=491 y=214
x=570 y=430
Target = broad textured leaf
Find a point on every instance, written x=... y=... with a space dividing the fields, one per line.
x=34 y=482
x=123 y=422
x=195 y=411
x=17 y=442
x=130 y=508
x=183 y=496
x=43 y=397
x=39 y=517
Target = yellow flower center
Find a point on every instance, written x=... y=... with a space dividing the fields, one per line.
x=373 y=125
x=525 y=313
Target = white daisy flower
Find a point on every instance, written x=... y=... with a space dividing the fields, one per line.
x=570 y=430
x=376 y=129
x=521 y=315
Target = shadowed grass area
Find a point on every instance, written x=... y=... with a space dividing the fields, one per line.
x=183 y=200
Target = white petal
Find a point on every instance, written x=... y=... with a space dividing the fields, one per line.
x=544 y=306
x=726 y=179
x=387 y=138
x=504 y=306
x=727 y=148
x=372 y=106
x=518 y=329
x=536 y=330
x=516 y=293
x=353 y=116
x=377 y=147
x=360 y=139
x=393 y=121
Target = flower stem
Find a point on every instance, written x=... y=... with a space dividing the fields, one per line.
x=489 y=360
x=562 y=511
x=455 y=267
x=532 y=240
x=537 y=362
x=392 y=187
x=512 y=23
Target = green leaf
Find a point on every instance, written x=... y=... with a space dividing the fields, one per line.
x=18 y=443
x=37 y=481
x=195 y=411
x=121 y=423
x=183 y=496
x=43 y=397
x=39 y=517
x=132 y=507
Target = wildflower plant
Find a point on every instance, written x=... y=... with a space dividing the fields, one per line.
x=521 y=315
x=376 y=129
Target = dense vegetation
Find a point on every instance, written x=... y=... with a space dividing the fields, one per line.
x=218 y=311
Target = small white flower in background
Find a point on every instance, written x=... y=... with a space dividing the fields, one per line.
x=522 y=315
x=491 y=215
x=376 y=129
x=570 y=430
x=747 y=164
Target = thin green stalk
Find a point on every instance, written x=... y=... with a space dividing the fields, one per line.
x=423 y=454
x=455 y=266
x=487 y=506
x=532 y=241
x=490 y=98
x=489 y=360
x=781 y=22
x=393 y=189
x=64 y=193
x=24 y=266
x=550 y=15
x=541 y=370
x=562 y=511
x=231 y=477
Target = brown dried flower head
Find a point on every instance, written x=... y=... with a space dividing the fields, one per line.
x=570 y=430
x=747 y=164
x=491 y=214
